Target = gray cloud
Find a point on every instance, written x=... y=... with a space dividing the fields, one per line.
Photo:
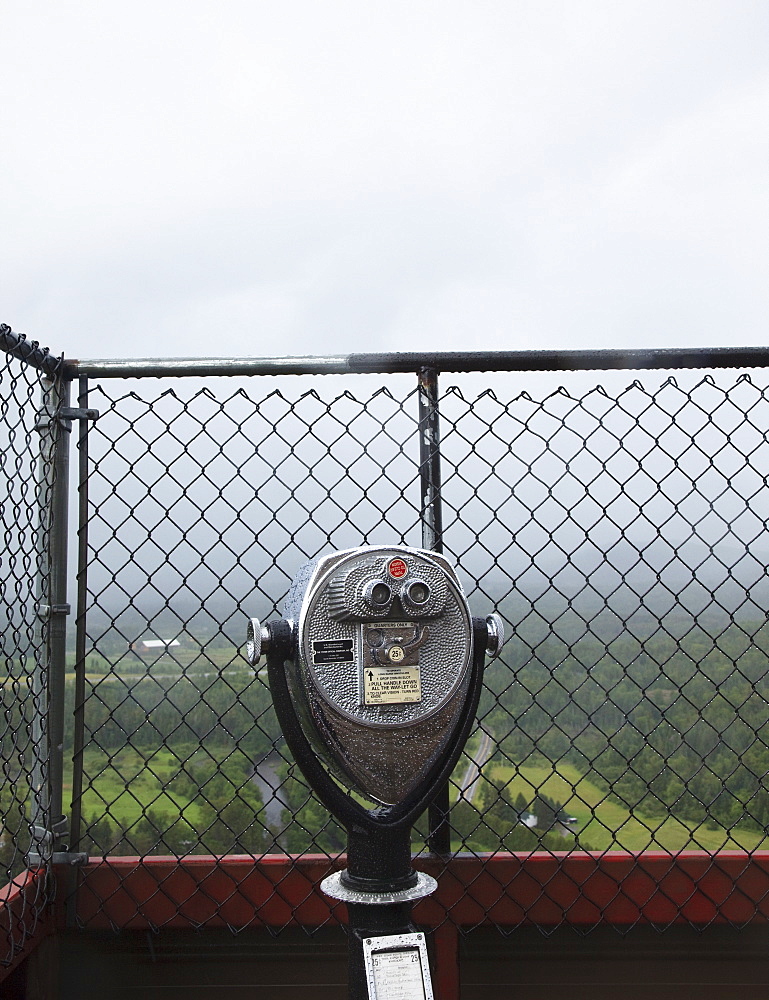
x=253 y=179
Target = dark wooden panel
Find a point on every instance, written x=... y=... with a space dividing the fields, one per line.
x=679 y=963
x=189 y=964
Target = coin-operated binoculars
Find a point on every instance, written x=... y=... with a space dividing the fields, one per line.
x=375 y=673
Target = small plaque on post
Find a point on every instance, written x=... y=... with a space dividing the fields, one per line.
x=397 y=967
x=332 y=651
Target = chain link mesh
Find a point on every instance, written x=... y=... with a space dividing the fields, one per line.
x=621 y=533
x=27 y=440
x=202 y=508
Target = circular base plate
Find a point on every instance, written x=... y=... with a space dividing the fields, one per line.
x=332 y=886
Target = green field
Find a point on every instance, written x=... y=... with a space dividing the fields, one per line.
x=126 y=785
x=605 y=824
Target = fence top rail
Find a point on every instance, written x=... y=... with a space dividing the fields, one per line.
x=18 y=346
x=462 y=361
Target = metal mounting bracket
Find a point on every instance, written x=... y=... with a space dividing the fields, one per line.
x=44 y=839
x=66 y=414
x=46 y=610
x=63 y=417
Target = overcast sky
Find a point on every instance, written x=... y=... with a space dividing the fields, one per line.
x=250 y=178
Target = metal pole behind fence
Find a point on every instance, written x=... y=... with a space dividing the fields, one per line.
x=439 y=837
x=39 y=806
x=58 y=617
x=47 y=822
x=78 y=741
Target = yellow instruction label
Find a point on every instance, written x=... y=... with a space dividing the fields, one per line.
x=391 y=685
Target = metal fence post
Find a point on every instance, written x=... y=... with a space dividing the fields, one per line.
x=80 y=621
x=431 y=513
x=49 y=827
x=46 y=827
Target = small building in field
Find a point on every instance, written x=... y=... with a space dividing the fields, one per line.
x=153 y=648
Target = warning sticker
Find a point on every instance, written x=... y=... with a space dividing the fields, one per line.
x=397 y=569
x=398 y=975
x=332 y=651
x=391 y=685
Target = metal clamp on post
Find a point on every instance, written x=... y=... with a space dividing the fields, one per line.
x=63 y=417
x=45 y=839
x=66 y=414
x=45 y=611
x=376 y=672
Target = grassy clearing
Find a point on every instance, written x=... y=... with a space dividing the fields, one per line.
x=126 y=785
x=607 y=825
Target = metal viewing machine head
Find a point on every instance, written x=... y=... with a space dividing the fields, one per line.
x=376 y=671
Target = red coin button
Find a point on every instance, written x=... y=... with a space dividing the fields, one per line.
x=397 y=569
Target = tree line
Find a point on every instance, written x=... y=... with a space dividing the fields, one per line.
x=673 y=722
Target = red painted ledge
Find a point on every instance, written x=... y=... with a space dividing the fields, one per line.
x=506 y=890
x=25 y=917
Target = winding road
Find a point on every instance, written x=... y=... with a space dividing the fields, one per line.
x=271 y=787
x=469 y=784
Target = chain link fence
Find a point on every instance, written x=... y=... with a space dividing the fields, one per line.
x=203 y=502
x=620 y=530
x=29 y=434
